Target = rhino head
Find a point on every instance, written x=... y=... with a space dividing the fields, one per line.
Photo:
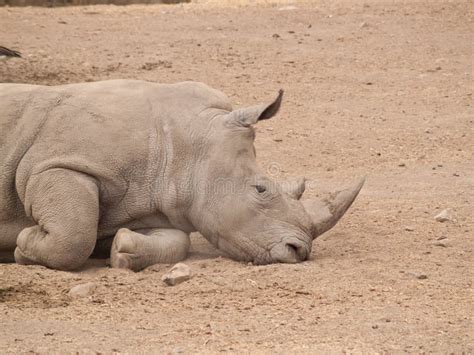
x=246 y=214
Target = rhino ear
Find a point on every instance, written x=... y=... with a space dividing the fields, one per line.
x=250 y=115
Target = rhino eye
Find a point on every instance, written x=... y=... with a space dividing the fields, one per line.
x=260 y=189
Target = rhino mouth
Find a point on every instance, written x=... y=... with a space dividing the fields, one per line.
x=293 y=247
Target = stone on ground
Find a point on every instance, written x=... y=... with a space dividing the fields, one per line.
x=444 y=215
x=82 y=290
x=177 y=274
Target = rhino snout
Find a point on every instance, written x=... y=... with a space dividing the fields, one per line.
x=293 y=251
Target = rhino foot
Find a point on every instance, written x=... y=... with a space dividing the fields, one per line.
x=135 y=250
x=123 y=249
x=21 y=258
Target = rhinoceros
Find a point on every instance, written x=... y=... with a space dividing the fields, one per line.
x=131 y=168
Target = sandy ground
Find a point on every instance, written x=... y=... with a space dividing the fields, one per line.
x=375 y=88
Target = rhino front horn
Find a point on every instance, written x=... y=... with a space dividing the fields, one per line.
x=325 y=213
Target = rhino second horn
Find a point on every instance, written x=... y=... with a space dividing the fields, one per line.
x=294 y=188
x=325 y=213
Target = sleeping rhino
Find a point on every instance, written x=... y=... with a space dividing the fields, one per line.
x=131 y=168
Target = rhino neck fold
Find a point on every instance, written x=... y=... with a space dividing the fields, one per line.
x=171 y=162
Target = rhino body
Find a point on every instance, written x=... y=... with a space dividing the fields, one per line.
x=130 y=168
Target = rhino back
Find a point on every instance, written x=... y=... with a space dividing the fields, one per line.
x=112 y=130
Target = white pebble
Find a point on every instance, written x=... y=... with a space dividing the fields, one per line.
x=177 y=274
x=443 y=216
x=82 y=290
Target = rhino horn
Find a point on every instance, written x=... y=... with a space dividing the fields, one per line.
x=325 y=213
x=250 y=115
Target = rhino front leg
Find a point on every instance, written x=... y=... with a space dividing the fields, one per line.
x=135 y=250
x=65 y=206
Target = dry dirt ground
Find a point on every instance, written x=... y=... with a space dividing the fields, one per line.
x=377 y=88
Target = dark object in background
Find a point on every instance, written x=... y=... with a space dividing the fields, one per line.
x=6 y=53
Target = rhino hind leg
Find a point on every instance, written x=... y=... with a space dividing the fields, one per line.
x=135 y=250
x=65 y=206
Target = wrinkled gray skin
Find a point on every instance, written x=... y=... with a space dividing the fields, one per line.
x=130 y=168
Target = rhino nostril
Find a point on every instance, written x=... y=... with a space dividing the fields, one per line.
x=297 y=250
x=292 y=247
x=293 y=251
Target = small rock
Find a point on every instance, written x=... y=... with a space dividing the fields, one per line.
x=375 y=326
x=252 y=282
x=421 y=277
x=441 y=244
x=363 y=24
x=276 y=35
x=177 y=274
x=409 y=229
x=82 y=290
x=443 y=216
x=401 y=164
